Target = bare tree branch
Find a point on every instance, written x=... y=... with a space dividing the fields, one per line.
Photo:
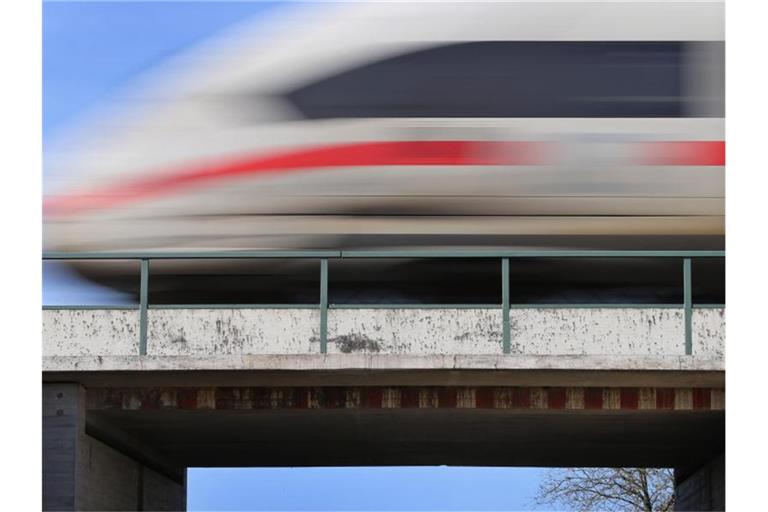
x=608 y=489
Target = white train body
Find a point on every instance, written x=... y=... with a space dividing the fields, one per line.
x=383 y=125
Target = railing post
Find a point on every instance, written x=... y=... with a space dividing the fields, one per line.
x=688 y=307
x=143 y=302
x=506 y=342
x=324 y=306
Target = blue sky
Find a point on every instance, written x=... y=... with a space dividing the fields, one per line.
x=91 y=49
x=389 y=488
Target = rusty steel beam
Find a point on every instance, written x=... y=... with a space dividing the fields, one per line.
x=429 y=397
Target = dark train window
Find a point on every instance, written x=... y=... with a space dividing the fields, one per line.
x=509 y=79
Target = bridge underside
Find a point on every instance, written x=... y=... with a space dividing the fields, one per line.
x=105 y=425
x=470 y=437
x=430 y=424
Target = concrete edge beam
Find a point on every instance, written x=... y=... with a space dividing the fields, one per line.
x=288 y=378
x=316 y=362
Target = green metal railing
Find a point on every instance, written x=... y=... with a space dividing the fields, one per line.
x=323 y=257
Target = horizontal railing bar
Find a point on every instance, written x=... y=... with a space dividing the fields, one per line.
x=531 y=254
x=390 y=306
x=414 y=306
x=377 y=254
x=224 y=255
x=233 y=306
x=635 y=305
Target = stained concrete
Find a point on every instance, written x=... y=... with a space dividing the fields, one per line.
x=709 y=332
x=173 y=332
x=415 y=331
x=408 y=332
x=84 y=332
x=597 y=331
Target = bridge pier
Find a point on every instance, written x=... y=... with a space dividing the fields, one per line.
x=703 y=488
x=83 y=472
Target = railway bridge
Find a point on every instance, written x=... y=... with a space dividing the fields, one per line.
x=132 y=396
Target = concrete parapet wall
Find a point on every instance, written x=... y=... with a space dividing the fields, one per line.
x=415 y=331
x=406 y=332
x=709 y=332
x=598 y=331
x=174 y=332
x=95 y=332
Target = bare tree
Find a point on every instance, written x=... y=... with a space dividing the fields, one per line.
x=608 y=489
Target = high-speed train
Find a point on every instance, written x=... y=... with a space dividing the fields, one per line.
x=409 y=125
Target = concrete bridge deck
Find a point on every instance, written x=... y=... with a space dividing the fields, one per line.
x=593 y=337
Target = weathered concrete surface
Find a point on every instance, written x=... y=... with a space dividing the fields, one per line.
x=582 y=331
x=709 y=332
x=102 y=332
x=173 y=332
x=83 y=473
x=534 y=331
x=332 y=362
x=704 y=489
x=407 y=332
x=415 y=331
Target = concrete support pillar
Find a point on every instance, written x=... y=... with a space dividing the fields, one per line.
x=702 y=489
x=63 y=425
x=83 y=473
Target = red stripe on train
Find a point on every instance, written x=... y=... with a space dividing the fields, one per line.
x=705 y=153
x=366 y=154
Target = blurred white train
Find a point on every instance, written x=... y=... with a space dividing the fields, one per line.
x=394 y=125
